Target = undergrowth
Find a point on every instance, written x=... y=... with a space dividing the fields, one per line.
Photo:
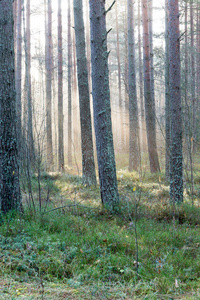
x=84 y=252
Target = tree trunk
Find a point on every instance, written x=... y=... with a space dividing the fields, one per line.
x=133 y=107
x=88 y=166
x=30 y=142
x=167 y=98
x=19 y=74
x=48 y=86
x=149 y=103
x=143 y=123
x=60 y=92
x=69 y=141
x=10 y=197
x=101 y=106
x=176 y=168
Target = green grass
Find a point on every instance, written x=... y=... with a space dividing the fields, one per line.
x=84 y=252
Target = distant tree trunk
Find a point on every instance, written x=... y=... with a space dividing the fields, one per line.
x=88 y=50
x=143 y=124
x=88 y=166
x=149 y=103
x=150 y=11
x=28 y=84
x=48 y=86
x=167 y=98
x=176 y=168
x=101 y=106
x=19 y=73
x=133 y=108
x=69 y=141
x=10 y=197
x=193 y=87
x=60 y=92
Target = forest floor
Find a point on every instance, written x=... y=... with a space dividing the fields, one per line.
x=149 y=250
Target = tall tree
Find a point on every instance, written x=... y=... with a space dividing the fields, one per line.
x=30 y=142
x=18 y=76
x=60 y=92
x=10 y=197
x=88 y=166
x=48 y=63
x=167 y=97
x=133 y=107
x=176 y=168
x=101 y=105
x=69 y=141
x=149 y=103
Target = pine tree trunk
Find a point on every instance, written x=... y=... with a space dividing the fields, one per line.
x=101 y=106
x=176 y=164
x=60 y=92
x=149 y=103
x=88 y=166
x=49 y=58
x=30 y=142
x=167 y=98
x=10 y=197
x=69 y=141
x=19 y=74
x=133 y=107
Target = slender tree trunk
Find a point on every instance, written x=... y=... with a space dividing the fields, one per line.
x=176 y=168
x=10 y=197
x=193 y=87
x=101 y=105
x=133 y=108
x=28 y=84
x=149 y=103
x=167 y=98
x=88 y=166
x=69 y=88
x=60 y=92
x=48 y=86
x=143 y=124
x=19 y=74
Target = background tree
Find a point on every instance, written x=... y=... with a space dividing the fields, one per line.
x=133 y=107
x=101 y=105
x=69 y=41
x=149 y=103
x=88 y=166
x=60 y=92
x=10 y=197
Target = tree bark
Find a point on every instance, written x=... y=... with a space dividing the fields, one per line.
x=60 y=92
x=10 y=197
x=88 y=166
x=69 y=141
x=133 y=107
x=149 y=103
x=49 y=58
x=101 y=106
x=176 y=167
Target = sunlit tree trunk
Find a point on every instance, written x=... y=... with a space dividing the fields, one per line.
x=49 y=58
x=10 y=197
x=176 y=168
x=101 y=105
x=60 y=92
x=133 y=108
x=149 y=103
x=69 y=141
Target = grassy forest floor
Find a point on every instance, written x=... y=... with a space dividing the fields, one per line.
x=83 y=252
